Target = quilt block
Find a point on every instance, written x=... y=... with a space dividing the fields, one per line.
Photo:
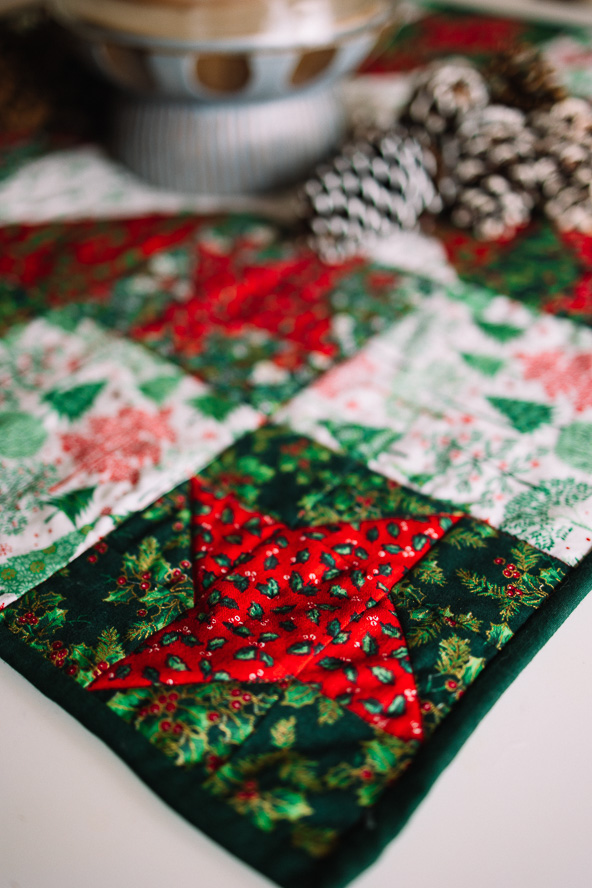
x=280 y=532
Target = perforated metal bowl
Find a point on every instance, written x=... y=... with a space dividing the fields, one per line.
x=225 y=96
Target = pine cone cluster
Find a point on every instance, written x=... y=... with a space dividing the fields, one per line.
x=496 y=163
x=489 y=148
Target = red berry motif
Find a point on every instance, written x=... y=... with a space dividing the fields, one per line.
x=275 y=603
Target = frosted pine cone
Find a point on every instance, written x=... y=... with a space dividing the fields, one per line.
x=444 y=92
x=489 y=171
x=375 y=186
x=565 y=147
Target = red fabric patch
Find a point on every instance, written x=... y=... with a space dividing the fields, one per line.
x=286 y=297
x=274 y=604
x=68 y=259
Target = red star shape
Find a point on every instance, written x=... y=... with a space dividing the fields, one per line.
x=274 y=603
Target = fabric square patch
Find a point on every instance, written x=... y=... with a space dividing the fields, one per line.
x=92 y=429
x=494 y=419
x=265 y=317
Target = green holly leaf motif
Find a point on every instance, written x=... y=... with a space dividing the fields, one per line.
x=402 y=656
x=241 y=630
x=206 y=667
x=302 y=556
x=372 y=706
x=369 y=645
x=525 y=416
x=314 y=615
x=266 y=658
x=123 y=671
x=73 y=504
x=270 y=562
x=246 y=653
x=343 y=549
x=160 y=388
x=397 y=707
x=72 y=403
x=341 y=638
x=296 y=582
x=255 y=611
x=300 y=648
x=338 y=592
x=238 y=581
x=149 y=672
x=334 y=628
x=393 y=529
x=499 y=634
x=228 y=602
x=391 y=631
x=418 y=541
x=270 y=589
x=176 y=663
x=299 y=695
x=331 y=663
x=169 y=638
x=328 y=560
x=215 y=643
x=351 y=673
x=384 y=676
x=268 y=636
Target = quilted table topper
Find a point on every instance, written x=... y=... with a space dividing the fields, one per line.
x=281 y=532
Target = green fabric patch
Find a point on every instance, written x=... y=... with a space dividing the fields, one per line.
x=463 y=602
x=96 y=610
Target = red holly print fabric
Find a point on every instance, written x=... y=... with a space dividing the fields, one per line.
x=274 y=603
x=72 y=260
x=287 y=298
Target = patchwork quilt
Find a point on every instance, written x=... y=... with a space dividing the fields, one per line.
x=281 y=532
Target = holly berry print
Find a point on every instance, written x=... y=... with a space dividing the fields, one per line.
x=309 y=603
x=92 y=428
